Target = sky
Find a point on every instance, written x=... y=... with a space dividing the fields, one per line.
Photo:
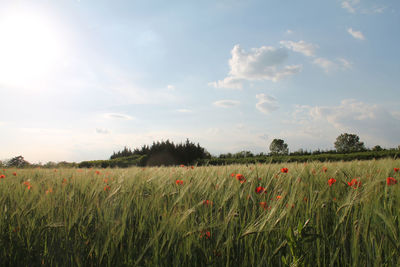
x=81 y=79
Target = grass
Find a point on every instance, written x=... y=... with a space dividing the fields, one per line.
x=141 y=217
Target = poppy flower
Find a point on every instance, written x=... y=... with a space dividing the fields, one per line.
x=354 y=183
x=331 y=181
x=14 y=173
x=278 y=197
x=324 y=169
x=2 y=176
x=391 y=181
x=181 y=165
x=28 y=185
x=97 y=172
x=207 y=203
x=179 y=182
x=260 y=189
x=396 y=169
x=232 y=174
x=50 y=190
x=107 y=188
x=284 y=170
x=264 y=205
x=205 y=234
x=240 y=178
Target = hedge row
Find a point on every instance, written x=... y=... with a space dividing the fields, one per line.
x=137 y=160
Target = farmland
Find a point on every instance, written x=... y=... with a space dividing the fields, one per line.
x=313 y=213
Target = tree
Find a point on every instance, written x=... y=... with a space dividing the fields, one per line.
x=278 y=147
x=348 y=143
x=17 y=162
x=377 y=148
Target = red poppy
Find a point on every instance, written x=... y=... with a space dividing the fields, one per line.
x=97 y=172
x=396 y=169
x=207 y=203
x=278 y=197
x=324 y=169
x=391 y=181
x=264 y=205
x=331 y=181
x=14 y=173
x=205 y=234
x=50 y=190
x=179 y=182
x=232 y=174
x=181 y=165
x=284 y=170
x=28 y=185
x=260 y=189
x=192 y=167
x=107 y=188
x=2 y=176
x=240 y=178
x=354 y=183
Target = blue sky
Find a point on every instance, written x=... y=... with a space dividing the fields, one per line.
x=81 y=79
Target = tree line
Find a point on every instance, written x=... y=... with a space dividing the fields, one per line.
x=167 y=153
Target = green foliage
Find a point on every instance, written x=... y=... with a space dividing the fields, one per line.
x=278 y=147
x=18 y=162
x=164 y=153
x=348 y=143
x=141 y=217
x=323 y=157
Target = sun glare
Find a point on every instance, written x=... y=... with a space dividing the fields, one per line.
x=30 y=47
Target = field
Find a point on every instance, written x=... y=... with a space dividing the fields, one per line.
x=298 y=214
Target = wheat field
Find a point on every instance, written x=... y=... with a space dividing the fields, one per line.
x=293 y=214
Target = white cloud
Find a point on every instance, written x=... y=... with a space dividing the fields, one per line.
x=378 y=9
x=266 y=104
x=300 y=47
x=350 y=5
x=171 y=87
x=356 y=34
x=330 y=66
x=326 y=64
x=374 y=123
x=228 y=82
x=354 y=6
x=226 y=103
x=264 y=63
x=102 y=131
x=118 y=116
x=345 y=63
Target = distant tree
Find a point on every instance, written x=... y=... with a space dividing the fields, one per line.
x=377 y=148
x=17 y=162
x=348 y=143
x=165 y=153
x=278 y=147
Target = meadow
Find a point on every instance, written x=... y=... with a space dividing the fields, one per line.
x=286 y=214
